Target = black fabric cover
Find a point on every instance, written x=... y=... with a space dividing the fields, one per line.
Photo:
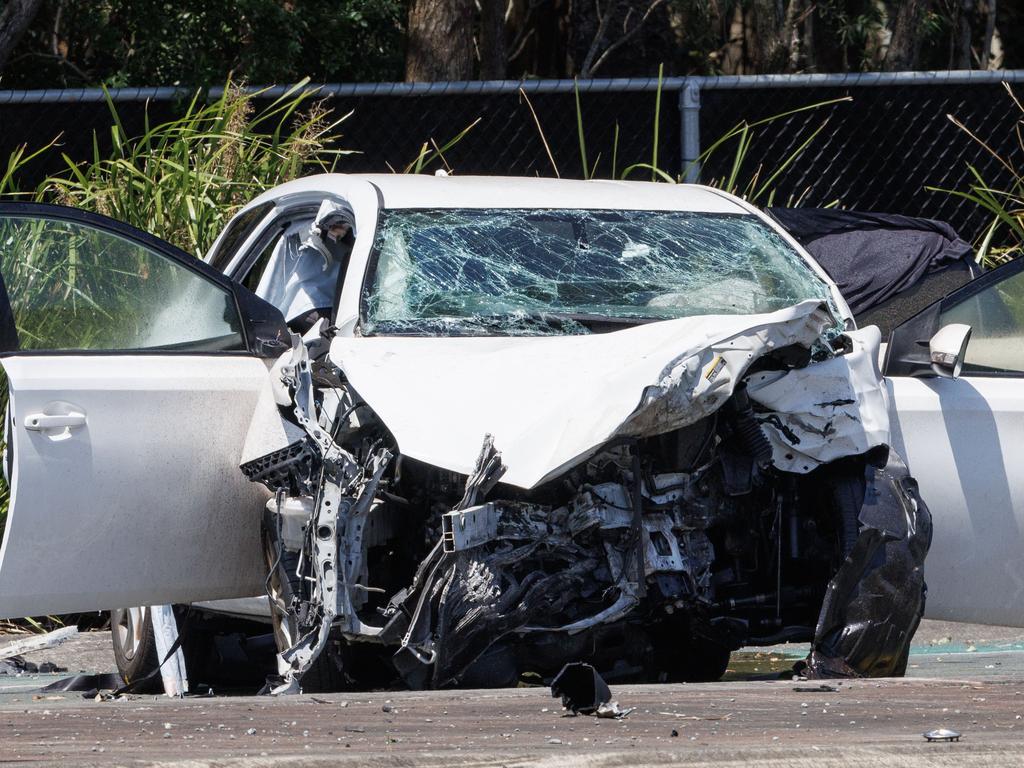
x=873 y=256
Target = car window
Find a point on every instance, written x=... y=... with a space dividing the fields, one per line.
x=538 y=271
x=252 y=277
x=236 y=234
x=996 y=317
x=74 y=286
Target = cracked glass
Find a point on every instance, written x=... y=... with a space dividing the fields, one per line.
x=558 y=271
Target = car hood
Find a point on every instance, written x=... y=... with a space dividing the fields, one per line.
x=553 y=401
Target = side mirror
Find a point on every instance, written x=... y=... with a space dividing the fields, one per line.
x=947 y=348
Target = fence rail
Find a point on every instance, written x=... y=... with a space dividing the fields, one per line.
x=879 y=151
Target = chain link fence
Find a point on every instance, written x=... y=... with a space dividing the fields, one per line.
x=878 y=151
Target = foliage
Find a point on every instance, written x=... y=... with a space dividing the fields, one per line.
x=1005 y=205
x=194 y=42
x=182 y=180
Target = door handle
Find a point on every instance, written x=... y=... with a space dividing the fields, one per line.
x=37 y=422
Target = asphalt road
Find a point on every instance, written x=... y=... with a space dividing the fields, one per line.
x=968 y=679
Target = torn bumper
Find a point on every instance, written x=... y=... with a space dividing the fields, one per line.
x=876 y=600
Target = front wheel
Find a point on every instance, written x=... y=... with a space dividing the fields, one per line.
x=131 y=633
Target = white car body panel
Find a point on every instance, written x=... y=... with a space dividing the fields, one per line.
x=550 y=401
x=147 y=492
x=827 y=410
x=963 y=440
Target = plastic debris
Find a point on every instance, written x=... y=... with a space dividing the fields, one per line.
x=612 y=711
x=38 y=642
x=582 y=689
x=942 y=734
x=823 y=688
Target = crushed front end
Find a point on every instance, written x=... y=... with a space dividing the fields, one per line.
x=750 y=498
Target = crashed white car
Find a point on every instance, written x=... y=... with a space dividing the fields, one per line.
x=459 y=429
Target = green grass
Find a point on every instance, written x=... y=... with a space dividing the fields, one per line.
x=1003 y=239
x=754 y=182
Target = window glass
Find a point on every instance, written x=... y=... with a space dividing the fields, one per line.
x=542 y=272
x=996 y=317
x=238 y=232
x=73 y=286
x=255 y=274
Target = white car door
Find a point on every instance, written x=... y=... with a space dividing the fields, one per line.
x=964 y=442
x=138 y=373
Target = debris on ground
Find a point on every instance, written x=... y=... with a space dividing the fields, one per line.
x=16 y=665
x=681 y=716
x=584 y=691
x=38 y=642
x=90 y=686
x=612 y=711
x=823 y=688
x=942 y=734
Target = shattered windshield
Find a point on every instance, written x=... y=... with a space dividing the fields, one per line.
x=558 y=271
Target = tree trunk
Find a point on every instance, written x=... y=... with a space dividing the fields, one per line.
x=768 y=47
x=439 y=41
x=905 y=45
x=493 y=61
x=964 y=35
x=990 y=31
x=791 y=35
x=14 y=20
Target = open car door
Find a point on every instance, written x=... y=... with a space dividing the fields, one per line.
x=964 y=441
x=139 y=371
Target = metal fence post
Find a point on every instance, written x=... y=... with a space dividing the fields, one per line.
x=689 y=111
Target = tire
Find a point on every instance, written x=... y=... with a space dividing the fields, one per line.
x=324 y=674
x=706 y=662
x=131 y=633
x=135 y=653
x=683 y=658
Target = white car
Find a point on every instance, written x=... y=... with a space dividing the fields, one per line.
x=462 y=428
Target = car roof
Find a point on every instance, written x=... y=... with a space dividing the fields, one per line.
x=423 y=191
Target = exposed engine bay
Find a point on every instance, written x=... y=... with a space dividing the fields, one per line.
x=760 y=517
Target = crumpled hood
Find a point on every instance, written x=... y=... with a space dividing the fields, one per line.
x=552 y=401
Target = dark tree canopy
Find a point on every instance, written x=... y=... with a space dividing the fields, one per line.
x=54 y=43
x=166 y=42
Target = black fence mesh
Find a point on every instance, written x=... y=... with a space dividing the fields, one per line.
x=878 y=152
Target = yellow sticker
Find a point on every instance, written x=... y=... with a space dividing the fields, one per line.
x=715 y=368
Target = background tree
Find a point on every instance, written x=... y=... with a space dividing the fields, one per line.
x=195 y=42
x=905 y=44
x=14 y=20
x=439 y=40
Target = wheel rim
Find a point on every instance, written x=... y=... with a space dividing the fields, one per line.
x=284 y=632
x=128 y=628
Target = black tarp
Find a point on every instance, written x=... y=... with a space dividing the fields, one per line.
x=872 y=257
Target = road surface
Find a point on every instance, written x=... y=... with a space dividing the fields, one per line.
x=751 y=721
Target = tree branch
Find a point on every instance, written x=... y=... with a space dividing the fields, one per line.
x=622 y=40
x=602 y=27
